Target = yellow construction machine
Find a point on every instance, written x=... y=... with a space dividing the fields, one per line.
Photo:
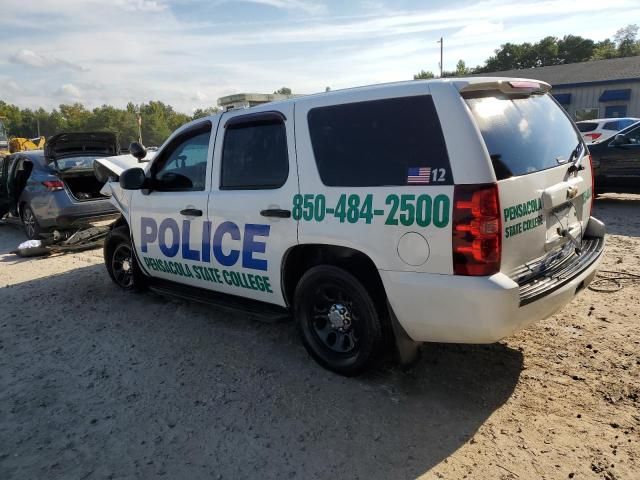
x=18 y=144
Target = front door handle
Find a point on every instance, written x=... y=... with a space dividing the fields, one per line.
x=191 y=212
x=276 y=212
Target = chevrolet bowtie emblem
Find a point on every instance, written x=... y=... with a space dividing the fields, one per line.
x=572 y=192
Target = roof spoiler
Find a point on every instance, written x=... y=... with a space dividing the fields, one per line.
x=517 y=86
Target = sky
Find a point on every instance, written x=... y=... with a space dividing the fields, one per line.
x=190 y=52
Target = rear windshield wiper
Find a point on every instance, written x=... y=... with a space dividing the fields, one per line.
x=576 y=158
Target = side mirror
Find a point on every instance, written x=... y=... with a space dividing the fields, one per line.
x=133 y=179
x=620 y=139
x=137 y=150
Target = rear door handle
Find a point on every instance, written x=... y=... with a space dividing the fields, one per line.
x=191 y=212
x=276 y=212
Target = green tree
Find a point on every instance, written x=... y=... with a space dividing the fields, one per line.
x=460 y=71
x=199 y=113
x=625 y=39
x=574 y=48
x=283 y=91
x=604 y=49
x=423 y=75
x=76 y=116
x=545 y=52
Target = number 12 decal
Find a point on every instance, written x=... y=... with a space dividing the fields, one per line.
x=438 y=175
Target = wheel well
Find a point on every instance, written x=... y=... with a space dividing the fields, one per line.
x=120 y=222
x=301 y=258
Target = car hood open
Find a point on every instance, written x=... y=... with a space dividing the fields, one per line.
x=64 y=145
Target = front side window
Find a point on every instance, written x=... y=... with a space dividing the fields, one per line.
x=254 y=154
x=633 y=137
x=396 y=141
x=183 y=164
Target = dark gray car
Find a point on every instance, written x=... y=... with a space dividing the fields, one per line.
x=56 y=188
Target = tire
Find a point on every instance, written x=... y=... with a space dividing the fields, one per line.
x=338 y=321
x=30 y=223
x=120 y=260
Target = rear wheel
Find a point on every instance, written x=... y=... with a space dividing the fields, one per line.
x=120 y=260
x=339 y=323
x=30 y=223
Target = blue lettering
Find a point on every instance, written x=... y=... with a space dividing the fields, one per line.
x=206 y=241
x=187 y=253
x=148 y=232
x=169 y=250
x=233 y=230
x=251 y=246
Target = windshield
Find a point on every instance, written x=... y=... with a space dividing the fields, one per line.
x=75 y=162
x=524 y=134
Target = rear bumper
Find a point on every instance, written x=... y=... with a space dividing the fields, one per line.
x=58 y=210
x=458 y=309
x=71 y=221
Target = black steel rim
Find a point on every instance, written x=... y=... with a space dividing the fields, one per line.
x=29 y=221
x=334 y=320
x=122 y=266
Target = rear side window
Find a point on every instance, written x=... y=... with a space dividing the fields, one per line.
x=587 y=126
x=625 y=123
x=524 y=134
x=612 y=126
x=254 y=155
x=395 y=141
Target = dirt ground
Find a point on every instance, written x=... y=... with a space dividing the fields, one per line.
x=96 y=383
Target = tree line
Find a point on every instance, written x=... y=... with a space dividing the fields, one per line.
x=550 y=51
x=158 y=120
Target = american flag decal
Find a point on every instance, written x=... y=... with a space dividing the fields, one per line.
x=419 y=176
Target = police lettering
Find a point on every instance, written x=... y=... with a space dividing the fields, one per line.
x=173 y=239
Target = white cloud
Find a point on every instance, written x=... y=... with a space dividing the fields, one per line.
x=113 y=57
x=140 y=5
x=199 y=96
x=479 y=28
x=311 y=7
x=69 y=91
x=28 y=57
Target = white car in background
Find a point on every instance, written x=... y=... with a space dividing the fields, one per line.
x=600 y=129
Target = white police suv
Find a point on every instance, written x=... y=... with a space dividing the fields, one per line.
x=445 y=211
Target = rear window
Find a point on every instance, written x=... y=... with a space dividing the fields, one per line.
x=396 y=141
x=587 y=126
x=524 y=134
x=75 y=162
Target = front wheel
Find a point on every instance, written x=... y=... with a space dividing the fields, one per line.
x=339 y=323
x=120 y=260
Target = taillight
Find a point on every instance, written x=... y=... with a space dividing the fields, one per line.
x=477 y=230
x=53 y=185
x=593 y=136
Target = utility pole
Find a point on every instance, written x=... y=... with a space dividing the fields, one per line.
x=441 y=42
